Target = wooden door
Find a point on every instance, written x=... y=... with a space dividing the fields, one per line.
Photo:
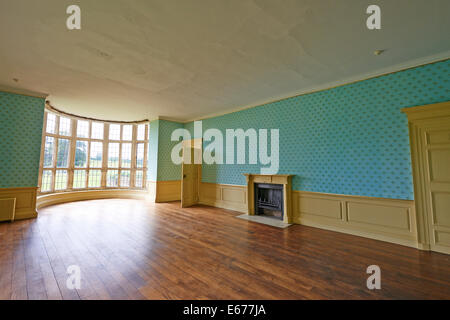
x=190 y=174
x=430 y=152
x=437 y=184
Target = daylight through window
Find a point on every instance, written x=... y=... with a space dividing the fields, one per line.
x=79 y=154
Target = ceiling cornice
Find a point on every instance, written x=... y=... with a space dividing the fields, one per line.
x=23 y=92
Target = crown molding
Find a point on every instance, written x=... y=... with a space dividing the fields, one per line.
x=313 y=89
x=51 y=108
x=23 y=92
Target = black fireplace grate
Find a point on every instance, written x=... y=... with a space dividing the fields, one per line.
x=269 y=199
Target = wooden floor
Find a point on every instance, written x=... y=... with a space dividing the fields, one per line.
x=130 y=249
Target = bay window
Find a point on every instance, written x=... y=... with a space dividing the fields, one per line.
x=81 y=154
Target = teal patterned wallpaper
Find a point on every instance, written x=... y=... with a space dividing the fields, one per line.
x=349 y=140
x=21 y=121
x=167 y=170
x=153 y=151
x=160 y=164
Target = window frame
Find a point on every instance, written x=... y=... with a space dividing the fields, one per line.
x=73 y=138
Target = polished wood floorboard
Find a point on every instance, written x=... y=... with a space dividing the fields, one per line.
x=131 y=249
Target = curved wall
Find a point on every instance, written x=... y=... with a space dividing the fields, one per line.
x=57 y=198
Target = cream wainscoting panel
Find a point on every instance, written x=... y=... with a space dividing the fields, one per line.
x=7 y=209
x=382 y=219
x=224 y=196
x=25 y=201
x=166 y=191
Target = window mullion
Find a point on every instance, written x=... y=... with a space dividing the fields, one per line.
x=104 y=155
x=56 y=142
x=71 y=164
x=119 y=166
x=55 y=154
x=133 y=156
x=144 y=173
x=88 y=156
x=41 y=161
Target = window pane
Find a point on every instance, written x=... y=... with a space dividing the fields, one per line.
x=139 y=176
x=114 y=132
x=81 y=154
x=51 y=121
x=46 y=184
x=127 y=132
x=126 y=155
x=97 y=130
x=125 y=178
x=141 y=132
x=113 y=155
x=64 y=126
x=112 y=178
x=79 y=179
x=96 y=155
x=95 y=178
x=62 y=159
x=49 y=146
x=82 y=129
x=61 y=180
x=140 y=155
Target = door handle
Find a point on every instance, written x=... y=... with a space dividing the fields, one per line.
x=184 y=176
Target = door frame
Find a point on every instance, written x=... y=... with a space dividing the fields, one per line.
x=421 y=120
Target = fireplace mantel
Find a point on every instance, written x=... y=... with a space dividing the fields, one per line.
x=283 y=179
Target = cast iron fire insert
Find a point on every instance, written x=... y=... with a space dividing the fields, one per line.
x=269 y=200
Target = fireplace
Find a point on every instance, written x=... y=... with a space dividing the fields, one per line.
x=269 y=200
x=270 y=195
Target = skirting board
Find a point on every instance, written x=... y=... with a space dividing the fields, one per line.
x=376 y=218
x=25 y=201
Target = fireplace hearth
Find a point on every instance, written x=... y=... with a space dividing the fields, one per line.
x=269 y=200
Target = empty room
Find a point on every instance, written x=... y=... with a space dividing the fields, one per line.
x=243 y=152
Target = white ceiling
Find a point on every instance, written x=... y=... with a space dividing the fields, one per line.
x=185 y=59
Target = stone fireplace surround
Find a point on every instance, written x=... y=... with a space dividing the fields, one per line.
x=283 y=179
